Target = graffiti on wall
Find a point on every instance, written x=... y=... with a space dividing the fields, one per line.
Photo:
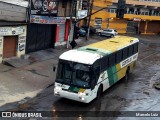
x=44 y=7
x=5 y=31
x=21 y=43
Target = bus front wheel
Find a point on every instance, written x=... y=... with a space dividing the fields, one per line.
x=100 y=90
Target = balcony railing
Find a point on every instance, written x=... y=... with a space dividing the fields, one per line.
x=152 y=3
x=143 y=13
x=137 y=12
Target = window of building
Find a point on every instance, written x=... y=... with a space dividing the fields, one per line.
x=64 y=3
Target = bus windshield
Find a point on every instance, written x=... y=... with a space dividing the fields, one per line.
x=72 y=73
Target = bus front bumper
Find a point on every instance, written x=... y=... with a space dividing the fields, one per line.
x=72 y=96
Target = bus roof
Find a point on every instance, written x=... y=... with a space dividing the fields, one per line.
x=90 y=53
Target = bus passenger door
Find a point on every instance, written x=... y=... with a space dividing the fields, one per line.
x=104 y=79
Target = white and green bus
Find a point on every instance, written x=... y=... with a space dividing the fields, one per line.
x=84 y=73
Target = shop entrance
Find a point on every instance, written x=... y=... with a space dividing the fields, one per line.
x=9 y=46
x=40 y=37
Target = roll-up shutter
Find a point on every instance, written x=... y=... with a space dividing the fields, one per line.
x=132 y=27
x=61 y=33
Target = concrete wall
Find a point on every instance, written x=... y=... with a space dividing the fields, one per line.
x=118 y=24
x=9 y=12
x=21 y=31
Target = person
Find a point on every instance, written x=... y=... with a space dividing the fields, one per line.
x=85 y=77
x=73 y=44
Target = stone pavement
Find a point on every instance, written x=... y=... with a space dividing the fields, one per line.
x=23 y=81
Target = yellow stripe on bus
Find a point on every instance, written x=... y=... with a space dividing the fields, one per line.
x=113 y=44
x=82 y=90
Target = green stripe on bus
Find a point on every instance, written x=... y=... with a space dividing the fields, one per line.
x=73 y=89
x=94 y=50
x=112 y=75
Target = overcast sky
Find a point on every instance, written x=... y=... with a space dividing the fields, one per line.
x=17 y=2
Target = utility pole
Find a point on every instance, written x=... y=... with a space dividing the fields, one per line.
x=70 y=28
x=89 y=19
x=107 y=23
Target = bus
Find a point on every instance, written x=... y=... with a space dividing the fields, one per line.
x=85 y=73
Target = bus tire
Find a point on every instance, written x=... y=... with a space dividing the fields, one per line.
x=126 y=77
x=100 y=90
x=112 y=36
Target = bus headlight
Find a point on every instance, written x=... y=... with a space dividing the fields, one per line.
x=57 y=88
x=81 y=94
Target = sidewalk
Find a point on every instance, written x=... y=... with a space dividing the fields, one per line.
x=26 y=80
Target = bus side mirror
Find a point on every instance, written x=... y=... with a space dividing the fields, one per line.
x=54 y=68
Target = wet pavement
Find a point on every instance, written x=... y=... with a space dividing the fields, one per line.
x=138 y=94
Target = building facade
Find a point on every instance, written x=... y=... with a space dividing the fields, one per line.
x=50 y=23
x=13 y=30
x=141 y=16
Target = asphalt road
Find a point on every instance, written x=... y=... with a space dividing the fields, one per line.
x=138 y=94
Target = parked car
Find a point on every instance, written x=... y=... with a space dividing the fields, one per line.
x=82 y=32
x=108 y=32
x=92 y=29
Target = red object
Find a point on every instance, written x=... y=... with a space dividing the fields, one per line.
x=57 y=33
x=66 y=30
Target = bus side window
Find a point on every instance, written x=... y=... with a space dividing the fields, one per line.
x=125 y=51
x=104 y=63
x=136 y=48
x=112 y=60
x=119 y=56
x=96 y=73
x=130 y=51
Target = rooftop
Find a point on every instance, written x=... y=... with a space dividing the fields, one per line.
x=23 y=3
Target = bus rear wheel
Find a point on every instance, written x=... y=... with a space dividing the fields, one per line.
x=126 y=77
x=99 y=92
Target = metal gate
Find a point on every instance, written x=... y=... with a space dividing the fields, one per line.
x=132 y=27
x=61 y=33
x=40 y=36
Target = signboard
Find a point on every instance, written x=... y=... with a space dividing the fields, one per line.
x=47 y=20
x=82 y=13
x=136 y=19
x=44 y=7
x=5 y=31
x=98 y=22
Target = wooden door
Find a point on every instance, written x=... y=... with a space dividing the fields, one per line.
x=9 y=46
